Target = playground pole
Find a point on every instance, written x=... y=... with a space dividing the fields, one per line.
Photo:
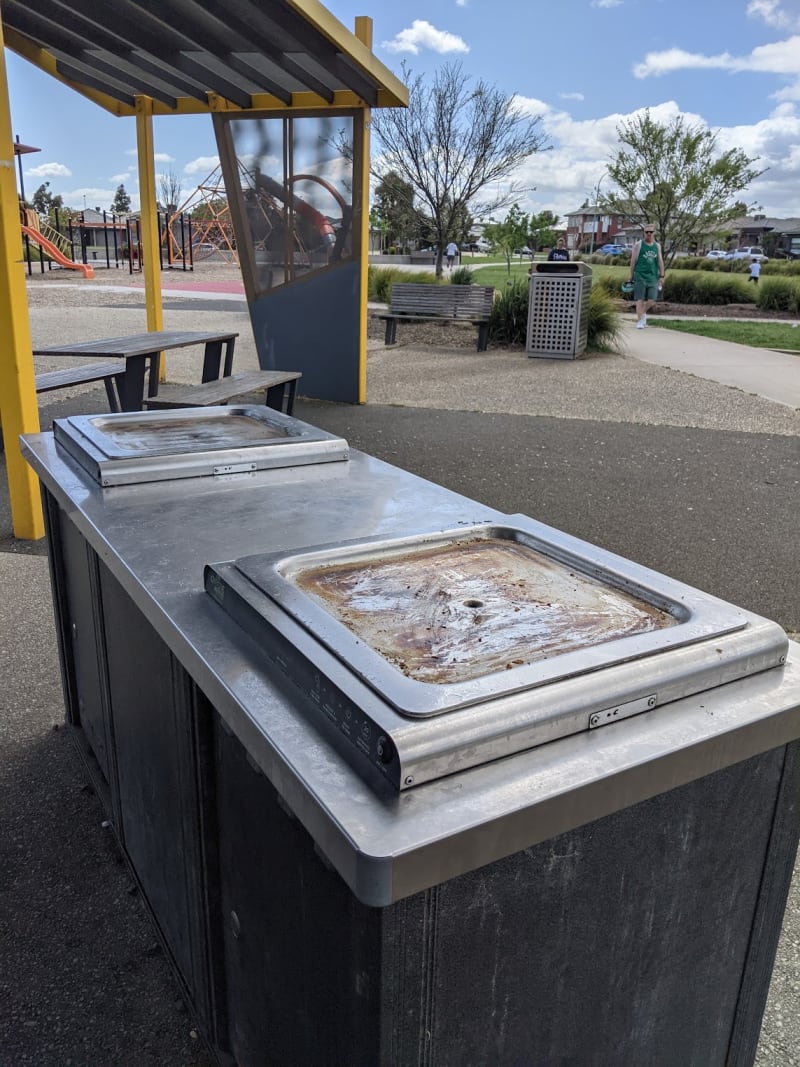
x=149 y=219
x=18 y=405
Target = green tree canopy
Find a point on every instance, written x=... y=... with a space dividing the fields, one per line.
x=542 y=230
x=454 y=145
x=44 y=201
x=394 y=205
x=673 y=175
x=509 y=234
x=121 y=204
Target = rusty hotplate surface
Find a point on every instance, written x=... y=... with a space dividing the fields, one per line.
x=461 y=611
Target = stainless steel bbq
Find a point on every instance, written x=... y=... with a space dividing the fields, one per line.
x=150 y=446
x=449 y=649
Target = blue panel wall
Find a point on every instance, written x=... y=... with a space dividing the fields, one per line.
x=312 y=326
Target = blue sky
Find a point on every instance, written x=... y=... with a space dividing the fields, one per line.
x=584 y=66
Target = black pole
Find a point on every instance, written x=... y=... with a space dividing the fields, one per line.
x=129 y=235
x=183 y=241
x=105 y=238
x=191 y=246
x=116 y=245
x=21 y=182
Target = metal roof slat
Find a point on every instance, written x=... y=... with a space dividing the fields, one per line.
x=191 y=63
x=240 y=62
x=117 y=69
x=74 y=74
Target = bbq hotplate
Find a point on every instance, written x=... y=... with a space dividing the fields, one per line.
x=449 y=648
x=148 y=446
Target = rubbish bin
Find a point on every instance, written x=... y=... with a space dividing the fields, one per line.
x=558 y=310
x=418 y=782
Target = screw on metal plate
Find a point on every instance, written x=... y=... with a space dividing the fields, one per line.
x=622 y=711
x=408 y=780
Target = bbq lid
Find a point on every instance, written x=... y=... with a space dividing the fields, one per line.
x=145 y=446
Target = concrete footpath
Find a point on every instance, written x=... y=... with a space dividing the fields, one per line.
x=678 y=471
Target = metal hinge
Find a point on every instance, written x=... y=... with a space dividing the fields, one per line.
x=622 y=711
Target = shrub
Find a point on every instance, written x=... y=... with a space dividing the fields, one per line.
x=605 y=325
x=462 y=276
x=778 y=294
x=508 y=322
x=705 y=287
x=381 y=279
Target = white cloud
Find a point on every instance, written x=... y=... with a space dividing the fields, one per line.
x=50 y=170
x=159 y=157
x=422 y=35
x=606 y=3
x=571 y=96
x=774 y=13
x=120 y=177
x=461 y=3
x=780 y=57
x=201 y=165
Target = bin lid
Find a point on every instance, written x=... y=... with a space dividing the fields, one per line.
x=145 y=446
x=482 y=641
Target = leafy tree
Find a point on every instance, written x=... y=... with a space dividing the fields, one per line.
x=509 y=234
x=44 y=201
x=454 y=144
x=394 y=204
x=122 y=202
x=542 y=230
x=672 y=174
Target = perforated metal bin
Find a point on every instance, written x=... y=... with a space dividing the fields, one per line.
x=558 y=310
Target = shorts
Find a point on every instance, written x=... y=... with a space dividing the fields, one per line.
x=642 y=291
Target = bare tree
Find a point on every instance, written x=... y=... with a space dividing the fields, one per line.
x=454 y=142
x=169 y=190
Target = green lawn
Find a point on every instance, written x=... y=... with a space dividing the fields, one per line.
x=755 y=334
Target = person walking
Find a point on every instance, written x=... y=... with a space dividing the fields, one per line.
x=755 y=270
x=647 y=273
x=451 y=252
x=559 y=253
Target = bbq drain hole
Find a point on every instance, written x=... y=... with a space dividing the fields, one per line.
x=473 y=603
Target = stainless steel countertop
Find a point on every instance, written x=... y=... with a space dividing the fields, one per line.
x=156 y=540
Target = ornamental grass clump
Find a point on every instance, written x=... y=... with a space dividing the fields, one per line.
x=508 y=324
x=462 y=276
x=778 y=294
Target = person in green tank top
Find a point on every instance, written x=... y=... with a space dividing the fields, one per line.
x=647 y=274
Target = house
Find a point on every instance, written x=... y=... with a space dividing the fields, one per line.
x=588 y=225
x=775 y=236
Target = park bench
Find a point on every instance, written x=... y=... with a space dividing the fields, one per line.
x=411 y=302
x=111 y=375
x=279 y=386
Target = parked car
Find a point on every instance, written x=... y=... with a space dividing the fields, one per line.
x=612 y=250
x=481 y=245
x=524 y=251
x=750 y=252
x=717 y=253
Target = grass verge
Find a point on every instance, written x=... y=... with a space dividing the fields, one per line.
x=755 y=334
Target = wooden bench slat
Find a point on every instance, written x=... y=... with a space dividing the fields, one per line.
x=413 y=302
x=111 y=374
x=279 y=385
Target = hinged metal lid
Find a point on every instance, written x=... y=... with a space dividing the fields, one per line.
x=146 y=446
x=523 y=633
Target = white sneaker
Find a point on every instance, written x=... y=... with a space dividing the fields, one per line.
x=640 y=325
x=644 y=320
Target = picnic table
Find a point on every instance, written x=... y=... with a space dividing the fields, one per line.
x=140 y=349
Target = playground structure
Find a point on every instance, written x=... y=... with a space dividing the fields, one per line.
x=211 y=230
x=51 y=242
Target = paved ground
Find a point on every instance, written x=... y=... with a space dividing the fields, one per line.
x=682 y=473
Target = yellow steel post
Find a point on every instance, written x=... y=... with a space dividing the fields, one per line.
x=151 y=267
x=18 y=406
x=363 y=31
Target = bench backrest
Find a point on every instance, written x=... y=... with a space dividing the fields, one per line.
x=445 y=301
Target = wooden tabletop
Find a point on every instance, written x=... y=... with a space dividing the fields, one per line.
x=136 y=344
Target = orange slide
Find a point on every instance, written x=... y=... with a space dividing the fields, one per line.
x=56 y=253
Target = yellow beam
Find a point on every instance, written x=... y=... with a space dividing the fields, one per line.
x=18 y=406
x=151 y=266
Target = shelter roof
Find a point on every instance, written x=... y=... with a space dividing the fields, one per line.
x=200 y=55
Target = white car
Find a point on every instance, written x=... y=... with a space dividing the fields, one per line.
x=717 y=253
x=751 y=252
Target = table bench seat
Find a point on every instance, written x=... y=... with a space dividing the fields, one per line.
x=279 y=387
x=412 y=302
x=111 y=374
